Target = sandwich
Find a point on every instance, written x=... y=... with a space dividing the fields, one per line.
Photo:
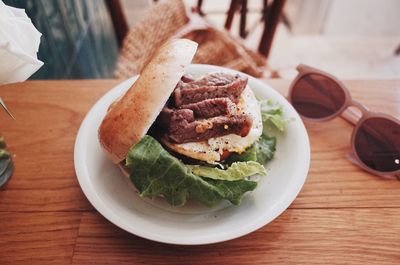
x=184 y=137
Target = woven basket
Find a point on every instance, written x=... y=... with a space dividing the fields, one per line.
x=169 y=19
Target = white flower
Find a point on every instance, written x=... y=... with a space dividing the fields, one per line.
x=19 y=44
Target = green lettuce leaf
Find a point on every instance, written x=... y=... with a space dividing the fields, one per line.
x=232 y=190
x=261 y=151
x=272 y=116
x=236 y=171
x=155 y=172
x=265 y=148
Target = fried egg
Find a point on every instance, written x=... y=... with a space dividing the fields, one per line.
x=211 y=150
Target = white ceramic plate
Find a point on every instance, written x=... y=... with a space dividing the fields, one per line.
x=115 y=198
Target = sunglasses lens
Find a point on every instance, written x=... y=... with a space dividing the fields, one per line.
x=377 y=144
x=315 y=96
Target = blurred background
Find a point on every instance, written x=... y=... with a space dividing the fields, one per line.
x=353 y=39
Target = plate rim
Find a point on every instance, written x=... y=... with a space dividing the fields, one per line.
x=263 y=219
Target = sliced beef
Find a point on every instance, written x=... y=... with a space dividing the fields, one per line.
x=217 y=79
x=217 y=85
x=202 y=109
x=183 y=131
x=168 y=116
x=211 y=108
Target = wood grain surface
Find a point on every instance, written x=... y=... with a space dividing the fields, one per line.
x=342 y=215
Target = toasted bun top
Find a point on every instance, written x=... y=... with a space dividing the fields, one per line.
x=129 y=119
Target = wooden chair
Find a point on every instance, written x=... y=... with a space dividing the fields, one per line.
x=215 y=46
x=118 y=18
x=271 y=14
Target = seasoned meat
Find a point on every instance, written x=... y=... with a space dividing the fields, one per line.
x=168 y=115
x=183 y=131
x=205 y=108
x=211 y=108
x=217 y=85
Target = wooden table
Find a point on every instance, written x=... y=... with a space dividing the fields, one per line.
x=342 y=215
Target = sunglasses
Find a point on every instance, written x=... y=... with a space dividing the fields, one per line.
x=375 y=141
